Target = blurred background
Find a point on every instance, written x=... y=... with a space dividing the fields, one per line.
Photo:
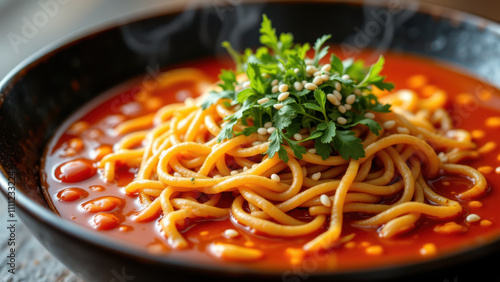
x=28 y=26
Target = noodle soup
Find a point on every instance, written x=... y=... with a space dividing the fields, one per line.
x=77 y=187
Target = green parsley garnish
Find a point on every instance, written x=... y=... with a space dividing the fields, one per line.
x=292 y=91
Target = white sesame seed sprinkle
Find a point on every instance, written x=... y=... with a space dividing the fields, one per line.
x=337 y=94
x=297 y=136
x=310 y=86
x=497 y=170
x=346 y=76
x=369 y=115
x=278 y=106
x=316 y=176
x=298 y=86
x=234 y=172
x=176 y=174
x=357 y=92
x=312 y=151
x=263 y=100
x=275 y=177
x=473 y=217
x=403 y=130
x=342 y=109
x=338 y=86
x=341 y=120
x=274 y=82
x=262 y=131
x=296 y=70
x=230 y=233
x=389 y=124
x=350 y=99
x=325 y=201
x=318 y=80
x=270 y=130
x=268 y=124
x=283 y=96
x=275 y=89
x=325 y=77
x=283 y=88
x=331 y=98
x=326 y=67
x=245 y=84
x=348 y=107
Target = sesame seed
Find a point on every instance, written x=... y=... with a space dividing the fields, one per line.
x=234 y=172
x=245 y=84
x=403 y=130
x=325 y=77
x=298 y=86
x=326 y=67
x=230 y=233
x=271 y=129
x=342 y=109
x=278 y=106
x=310 y=86
x=338 y=86
x=331 y=98
x=472 y=218
x=262 y=131
x=318 y=73
x=283 y=88
x=311 y=69
x=268 y=124
x=317 y=80
x=325 y=201
x=256 y=143
x=497 y=170
x=297 y=136
x=237 y=88
x=296 y=70
x=350 y=99
x=217 y=176
x=308 y=61
x=275 y=177
x=245 y=168
x=346 y=76
x=337 y=94
x=341 y=120
x=312 y=151
x=176 y=174
x=348 y=107
x=357 y=92
x=274 y=82
x=263 y=100
x=389 y=124
x=275 y=89
x=283 y=96
x=369 y=115
x=316 y=176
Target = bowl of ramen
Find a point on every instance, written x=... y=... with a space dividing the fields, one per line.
x=237 y=142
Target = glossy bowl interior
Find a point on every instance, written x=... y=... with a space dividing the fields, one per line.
x=40 y=94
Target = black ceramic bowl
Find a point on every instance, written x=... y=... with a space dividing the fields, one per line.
x=40 y=94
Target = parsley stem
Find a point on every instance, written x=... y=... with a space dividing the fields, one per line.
x=313 y=117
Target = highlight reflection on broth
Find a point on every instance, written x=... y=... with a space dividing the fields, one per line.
x=294 y=156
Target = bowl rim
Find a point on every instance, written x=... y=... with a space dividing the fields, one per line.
x=104 y=242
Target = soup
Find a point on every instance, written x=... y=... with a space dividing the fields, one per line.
x=96 y=165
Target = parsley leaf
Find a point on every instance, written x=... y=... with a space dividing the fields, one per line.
x=313 y=114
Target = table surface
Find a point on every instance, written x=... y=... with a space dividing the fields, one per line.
x=34 y=262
